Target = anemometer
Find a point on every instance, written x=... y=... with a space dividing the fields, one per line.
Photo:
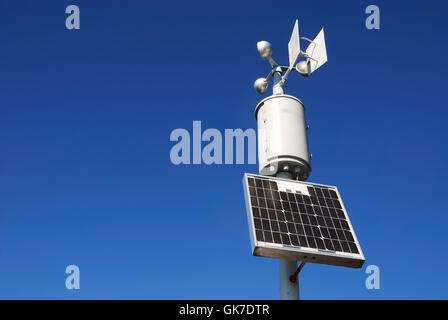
x=314 y=57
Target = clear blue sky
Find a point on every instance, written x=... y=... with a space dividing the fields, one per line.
x=85 y=120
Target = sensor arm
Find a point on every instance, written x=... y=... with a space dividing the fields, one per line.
x=270 y=75
x=272 y=62
x=287 y=74
x=304 y=54
x=288 y=71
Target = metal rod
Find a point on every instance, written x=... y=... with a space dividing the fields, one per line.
x=293 y=278
x=278 y=84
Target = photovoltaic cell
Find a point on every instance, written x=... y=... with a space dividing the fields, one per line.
x=300 y=217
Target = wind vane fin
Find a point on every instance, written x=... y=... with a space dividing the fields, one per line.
x=294 y=45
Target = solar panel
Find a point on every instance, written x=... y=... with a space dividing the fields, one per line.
x=299 y=221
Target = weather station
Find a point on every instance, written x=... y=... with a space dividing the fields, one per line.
x=290 y=219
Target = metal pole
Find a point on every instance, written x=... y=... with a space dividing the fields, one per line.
x=278 y=84
x=288 y=290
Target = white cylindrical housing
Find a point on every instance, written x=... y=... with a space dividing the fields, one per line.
x=282 y=136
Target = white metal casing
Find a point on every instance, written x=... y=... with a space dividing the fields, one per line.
x=282 y=136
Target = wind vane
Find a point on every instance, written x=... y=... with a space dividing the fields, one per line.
x=313 y=58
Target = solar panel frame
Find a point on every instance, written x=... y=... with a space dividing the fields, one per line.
x=297 y=251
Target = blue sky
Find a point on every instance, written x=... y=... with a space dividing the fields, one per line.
x=85 y=120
